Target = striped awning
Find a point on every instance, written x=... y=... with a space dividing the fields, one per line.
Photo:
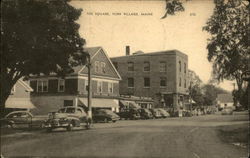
x=100 y=102
x=19 y=103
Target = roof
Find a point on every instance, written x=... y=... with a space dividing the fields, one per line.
x=25 y=85
x=168 y=52
x=225 y=98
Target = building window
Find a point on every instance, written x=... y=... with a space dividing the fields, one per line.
x=146 y=66
x=185 y=83
x=61 y=85
x=146 y=82
x=180 y=66
x=86 y=83
x=42 y=86
x=180 y=82
x=130 y=66
x=185 y=68
x=116 y=65
x=163 y=67
x=110 y=87
x=103 y=67
x=99 y=86
x=163 y=82
x=130 y=82
x=97 y=66
x=68 y=102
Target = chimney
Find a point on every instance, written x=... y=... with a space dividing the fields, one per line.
x=127 y=50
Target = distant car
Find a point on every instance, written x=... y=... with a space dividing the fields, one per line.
x=131 y=114
x=22 y=119
x=145 y=114
x=156 y=113
x=67 y=117
x=227 y=111
x=163 y=113
x=104 y=115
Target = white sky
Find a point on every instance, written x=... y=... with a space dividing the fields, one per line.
x=149 y=33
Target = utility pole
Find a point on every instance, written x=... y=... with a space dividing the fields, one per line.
x=89 y=121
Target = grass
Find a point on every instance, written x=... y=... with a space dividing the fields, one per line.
x=235 y=134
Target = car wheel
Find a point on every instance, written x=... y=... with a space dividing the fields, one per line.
x=70 y=126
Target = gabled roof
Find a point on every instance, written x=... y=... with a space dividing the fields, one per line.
x=25 y=85
x=225 y=98
x=92 y=52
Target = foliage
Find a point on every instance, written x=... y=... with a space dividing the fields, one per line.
x=173 y=6
x=38 y=36
x=228 y=47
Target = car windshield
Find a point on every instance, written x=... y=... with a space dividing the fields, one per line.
x=70 y=110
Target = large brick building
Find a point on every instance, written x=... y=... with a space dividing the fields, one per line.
x=160 y=75
x=52 y=92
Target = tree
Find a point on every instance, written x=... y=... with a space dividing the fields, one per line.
x=195 y=91
x=228 y=47
x=173 y=6
x=38 y=36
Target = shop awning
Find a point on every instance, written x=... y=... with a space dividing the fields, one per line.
x=100 y=102
x=134 y=105
x=19 y=103
x=123 y=103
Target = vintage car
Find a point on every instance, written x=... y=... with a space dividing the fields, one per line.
x=163 y=113
x=129 y=113
x=156 y=113
x=67 y=117
x=22 y=119
x=145 y=114
x=104 y=115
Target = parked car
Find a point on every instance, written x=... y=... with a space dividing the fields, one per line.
x=163 y=113
x=22 y=119
x=145 y=114
x=227 y=111
x=156 y=113
x=131 y=114
x=67 y=117
x=104 y=115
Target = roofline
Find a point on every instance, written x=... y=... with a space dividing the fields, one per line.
x=25 y=85
x=167 y=52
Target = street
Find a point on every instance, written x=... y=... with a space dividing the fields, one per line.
x=189 y=137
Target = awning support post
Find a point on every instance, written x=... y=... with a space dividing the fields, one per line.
x=89 y=121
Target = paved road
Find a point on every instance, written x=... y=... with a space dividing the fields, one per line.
x=194 y=137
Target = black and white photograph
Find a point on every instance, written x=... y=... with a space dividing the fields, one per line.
x=125 y=78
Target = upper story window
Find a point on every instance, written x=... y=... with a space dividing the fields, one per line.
x=42 y=86
x=146 y=82
x=99 y=86
x=130 y=66
x=180 y=66
x=180 y=82
x=130 y=82
x=110 y=87
x=146 y=66
x=185 y=83
x=61 y=85
x=103 y=68
x=97 y=63
x=163 y=82
x=163 y=66
x=185 y=68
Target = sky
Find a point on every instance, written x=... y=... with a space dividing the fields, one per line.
x=115 y=24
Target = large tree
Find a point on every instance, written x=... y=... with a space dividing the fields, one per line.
x=228 y=46
x=38 y=36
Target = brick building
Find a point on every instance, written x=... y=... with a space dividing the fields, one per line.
x=161 y=75
x=51 y=92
